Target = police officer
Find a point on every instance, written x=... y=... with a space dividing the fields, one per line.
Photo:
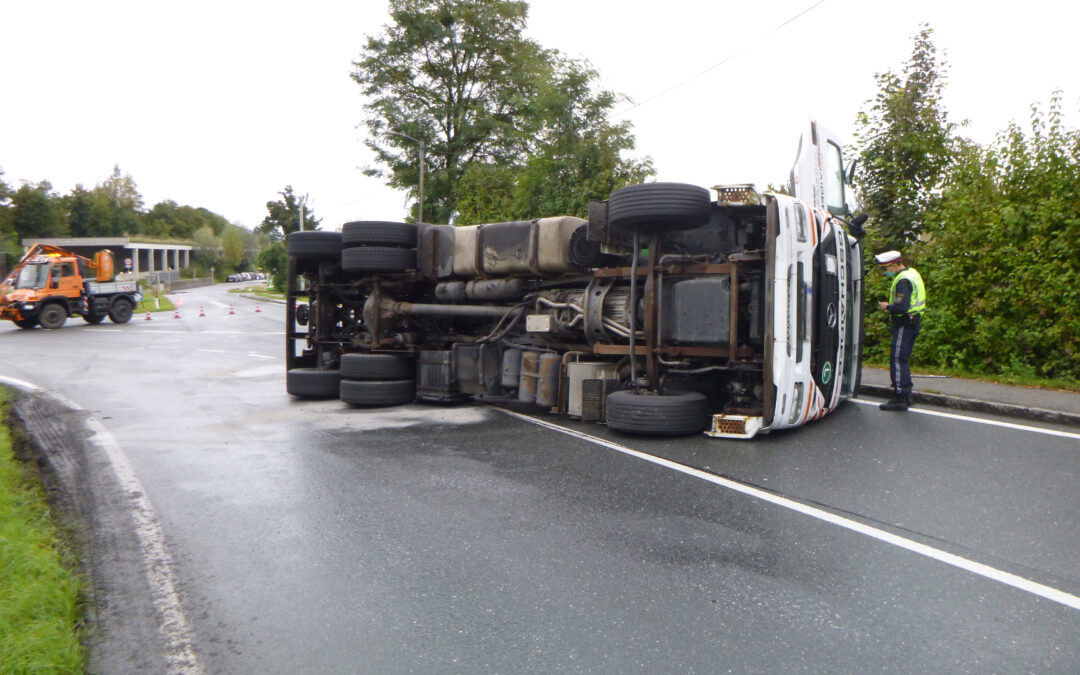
x=907 y=302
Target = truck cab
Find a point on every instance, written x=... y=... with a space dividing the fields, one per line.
x=49 y=284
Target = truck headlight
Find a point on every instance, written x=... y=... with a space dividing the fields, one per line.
x=27 y=306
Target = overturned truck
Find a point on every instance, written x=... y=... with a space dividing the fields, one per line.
x=667 y=312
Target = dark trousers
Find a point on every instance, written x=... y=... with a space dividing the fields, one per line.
x=904 y=333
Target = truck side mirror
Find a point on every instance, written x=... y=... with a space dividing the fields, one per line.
x=850 y=178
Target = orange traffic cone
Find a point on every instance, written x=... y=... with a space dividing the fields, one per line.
x=148 y=317
x=201 y=312
x=257 y=306
x=176 y=314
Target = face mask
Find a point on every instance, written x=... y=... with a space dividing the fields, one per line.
x=890 y=275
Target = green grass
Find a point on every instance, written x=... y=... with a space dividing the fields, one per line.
x=260 y=290
x=147 y=305
x=40 y=597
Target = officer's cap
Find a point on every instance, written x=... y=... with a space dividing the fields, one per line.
x=887 y=257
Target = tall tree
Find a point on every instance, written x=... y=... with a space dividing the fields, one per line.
x=575 y=155
x=207 y=246
x=284 y=216
x=36 y=212
x=232 y=248
x=79 y=206
x=8 y=239
x=460 y=76
x=905 y=144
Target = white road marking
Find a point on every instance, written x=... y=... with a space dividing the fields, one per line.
x=149 y=329
x=978 y=568
x=979 y=420
x=211 y=351
x=172 y=622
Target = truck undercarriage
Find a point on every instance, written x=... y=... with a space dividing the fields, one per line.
x=655 y=315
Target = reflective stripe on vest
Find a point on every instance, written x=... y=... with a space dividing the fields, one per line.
x=918 y=290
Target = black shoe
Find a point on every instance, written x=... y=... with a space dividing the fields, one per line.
x=897 y=402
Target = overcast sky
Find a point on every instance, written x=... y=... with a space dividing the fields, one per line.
x=221 y=104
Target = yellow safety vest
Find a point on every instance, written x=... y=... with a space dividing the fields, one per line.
x=918 y=290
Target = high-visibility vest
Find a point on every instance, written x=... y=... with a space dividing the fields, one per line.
x=918 y=290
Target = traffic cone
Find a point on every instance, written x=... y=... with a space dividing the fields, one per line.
x=148 y=316
x=231 y=310
x=201 y=312
x=257 y=306
x=176 y=314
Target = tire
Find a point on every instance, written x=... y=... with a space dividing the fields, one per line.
x=312 y=383
x=52 y=316
x=27 y=323
x=315 y=244
x=672 y=413
x=378 y=393
x=653 y=208
x=378 y=233
x=93 y=319
x=378 y=367
x=365 y=259
x=121 y=311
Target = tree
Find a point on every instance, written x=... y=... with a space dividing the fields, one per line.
x=575 y=156
x=79 y=206
x=8 y=238
x=232 y=248
x=115 y=207
x=275 y=260
x=1003 y=261
x=36 y=212
x=461 y=76
x=905 y=146
x=284 y=216
x=207 y=247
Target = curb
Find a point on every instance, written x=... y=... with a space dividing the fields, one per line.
x=134 y=619
x=976 y=405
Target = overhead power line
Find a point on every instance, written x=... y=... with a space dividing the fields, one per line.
x=717 y=65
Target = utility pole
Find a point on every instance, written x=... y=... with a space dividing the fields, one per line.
x=420 y=206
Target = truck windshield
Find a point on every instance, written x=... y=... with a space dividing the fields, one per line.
x=33 y=276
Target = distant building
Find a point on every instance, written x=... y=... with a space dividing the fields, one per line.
x=163 y=261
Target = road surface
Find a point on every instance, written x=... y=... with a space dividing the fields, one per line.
x=306 y=536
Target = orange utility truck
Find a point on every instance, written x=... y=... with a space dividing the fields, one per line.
x=50 y=283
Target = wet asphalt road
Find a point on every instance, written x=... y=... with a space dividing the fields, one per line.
x=310 y=537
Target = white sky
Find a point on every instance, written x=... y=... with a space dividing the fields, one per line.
x=221 y=104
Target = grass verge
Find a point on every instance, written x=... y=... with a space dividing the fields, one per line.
x=261 y=291
x=40 y=595
x=147 y=305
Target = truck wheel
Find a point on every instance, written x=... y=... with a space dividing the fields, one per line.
x=672 y=413
x=27 y=323
x=377 y=367
x=379 y=233
x=312 y=383
x=366 y=259
x=378 y=393
x=653 y=208
x=52 y=316
x=121 y=311
x=311 y=246
x=93 y=319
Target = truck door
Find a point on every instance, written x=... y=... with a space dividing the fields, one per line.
x=818 y=174
x=69 y=283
